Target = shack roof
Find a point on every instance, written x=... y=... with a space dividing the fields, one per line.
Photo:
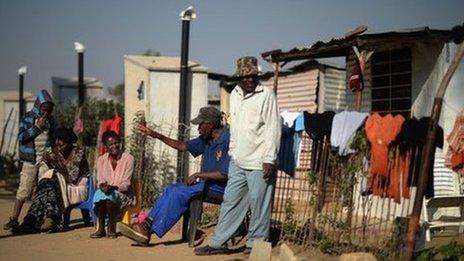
x=341 y=46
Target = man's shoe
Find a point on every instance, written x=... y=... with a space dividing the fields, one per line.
x=138 y=232
x=24 y=229
x=207 y=250
x=98 y=234
x=12 y=223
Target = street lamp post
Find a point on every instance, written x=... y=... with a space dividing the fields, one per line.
x=21 y=72
x=184 y=92
x=80 y=49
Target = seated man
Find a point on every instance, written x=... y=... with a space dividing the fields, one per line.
x=213 y=145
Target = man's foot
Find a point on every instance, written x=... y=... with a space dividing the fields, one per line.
x=138 y=232
x=207 y=250
x=247 y=251
x=98 y=234
x=111 y=234
x=12 y=223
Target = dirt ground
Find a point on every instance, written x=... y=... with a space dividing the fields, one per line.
x=76 y=244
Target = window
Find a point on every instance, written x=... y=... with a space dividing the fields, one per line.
x=391 y=81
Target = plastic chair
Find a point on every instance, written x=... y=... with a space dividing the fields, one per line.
x=137 y=188
x=86 y=207
x=447 y=195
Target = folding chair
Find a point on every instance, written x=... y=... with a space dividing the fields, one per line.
x=86 y=207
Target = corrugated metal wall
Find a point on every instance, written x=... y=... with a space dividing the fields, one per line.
x=333 y=93
x=296 y=92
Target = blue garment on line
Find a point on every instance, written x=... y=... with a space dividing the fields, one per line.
x=289 y=147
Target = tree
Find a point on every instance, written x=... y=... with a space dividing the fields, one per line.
x=118 y=91
x=151 y=52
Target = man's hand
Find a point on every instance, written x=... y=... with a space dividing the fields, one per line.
x=41 y=122
x=147 y=131
x=269 y=170
x=192 y=178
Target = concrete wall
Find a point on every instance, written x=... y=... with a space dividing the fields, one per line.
x=10 y=100
x=134 y=74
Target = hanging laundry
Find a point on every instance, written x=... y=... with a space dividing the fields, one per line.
x=288 y=118
x=344 y=127
x=355 y=83
x=78 y=127
x=299 y=128
x=455 y=155
x=381 y=131
x=412 y=139
x=290 y=141
x=286 y=156
x=318 y=125
x=113 y=124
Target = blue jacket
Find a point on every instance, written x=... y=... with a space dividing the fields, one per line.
x=28 y=131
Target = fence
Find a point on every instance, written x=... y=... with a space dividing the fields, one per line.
x=327 y=203
x=155 y=162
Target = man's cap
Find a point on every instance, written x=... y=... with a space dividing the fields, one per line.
x=207 y=114
x=247 y=66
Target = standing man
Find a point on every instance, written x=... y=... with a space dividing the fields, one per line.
x=213 y=145
x=35 y=135
x=254 y=146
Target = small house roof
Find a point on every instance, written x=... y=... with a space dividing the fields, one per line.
x=340 y=46
x=163 y=63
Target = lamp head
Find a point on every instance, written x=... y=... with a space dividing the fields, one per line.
x=80 y=48
x=188 y=14
x=22 y=70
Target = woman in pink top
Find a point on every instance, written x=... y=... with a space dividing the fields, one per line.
x=114 y=172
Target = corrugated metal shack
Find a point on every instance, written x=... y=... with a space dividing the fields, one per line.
x=402 y=76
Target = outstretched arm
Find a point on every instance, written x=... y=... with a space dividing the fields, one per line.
x=176 y=144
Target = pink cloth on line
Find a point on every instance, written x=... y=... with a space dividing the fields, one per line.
x=78 y=126
x=120 y=176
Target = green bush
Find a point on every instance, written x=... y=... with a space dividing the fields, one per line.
x=94 y=111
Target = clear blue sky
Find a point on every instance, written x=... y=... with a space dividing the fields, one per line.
x=40 y=34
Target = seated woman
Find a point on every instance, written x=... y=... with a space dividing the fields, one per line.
x=114 y=172
x=63 y=184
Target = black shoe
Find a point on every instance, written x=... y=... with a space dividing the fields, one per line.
x=12 y=223
x=24 y=229
x=207 y=250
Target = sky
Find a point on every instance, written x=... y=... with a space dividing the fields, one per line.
x=40 y=34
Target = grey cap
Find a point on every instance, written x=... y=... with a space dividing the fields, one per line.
x=207 y=114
